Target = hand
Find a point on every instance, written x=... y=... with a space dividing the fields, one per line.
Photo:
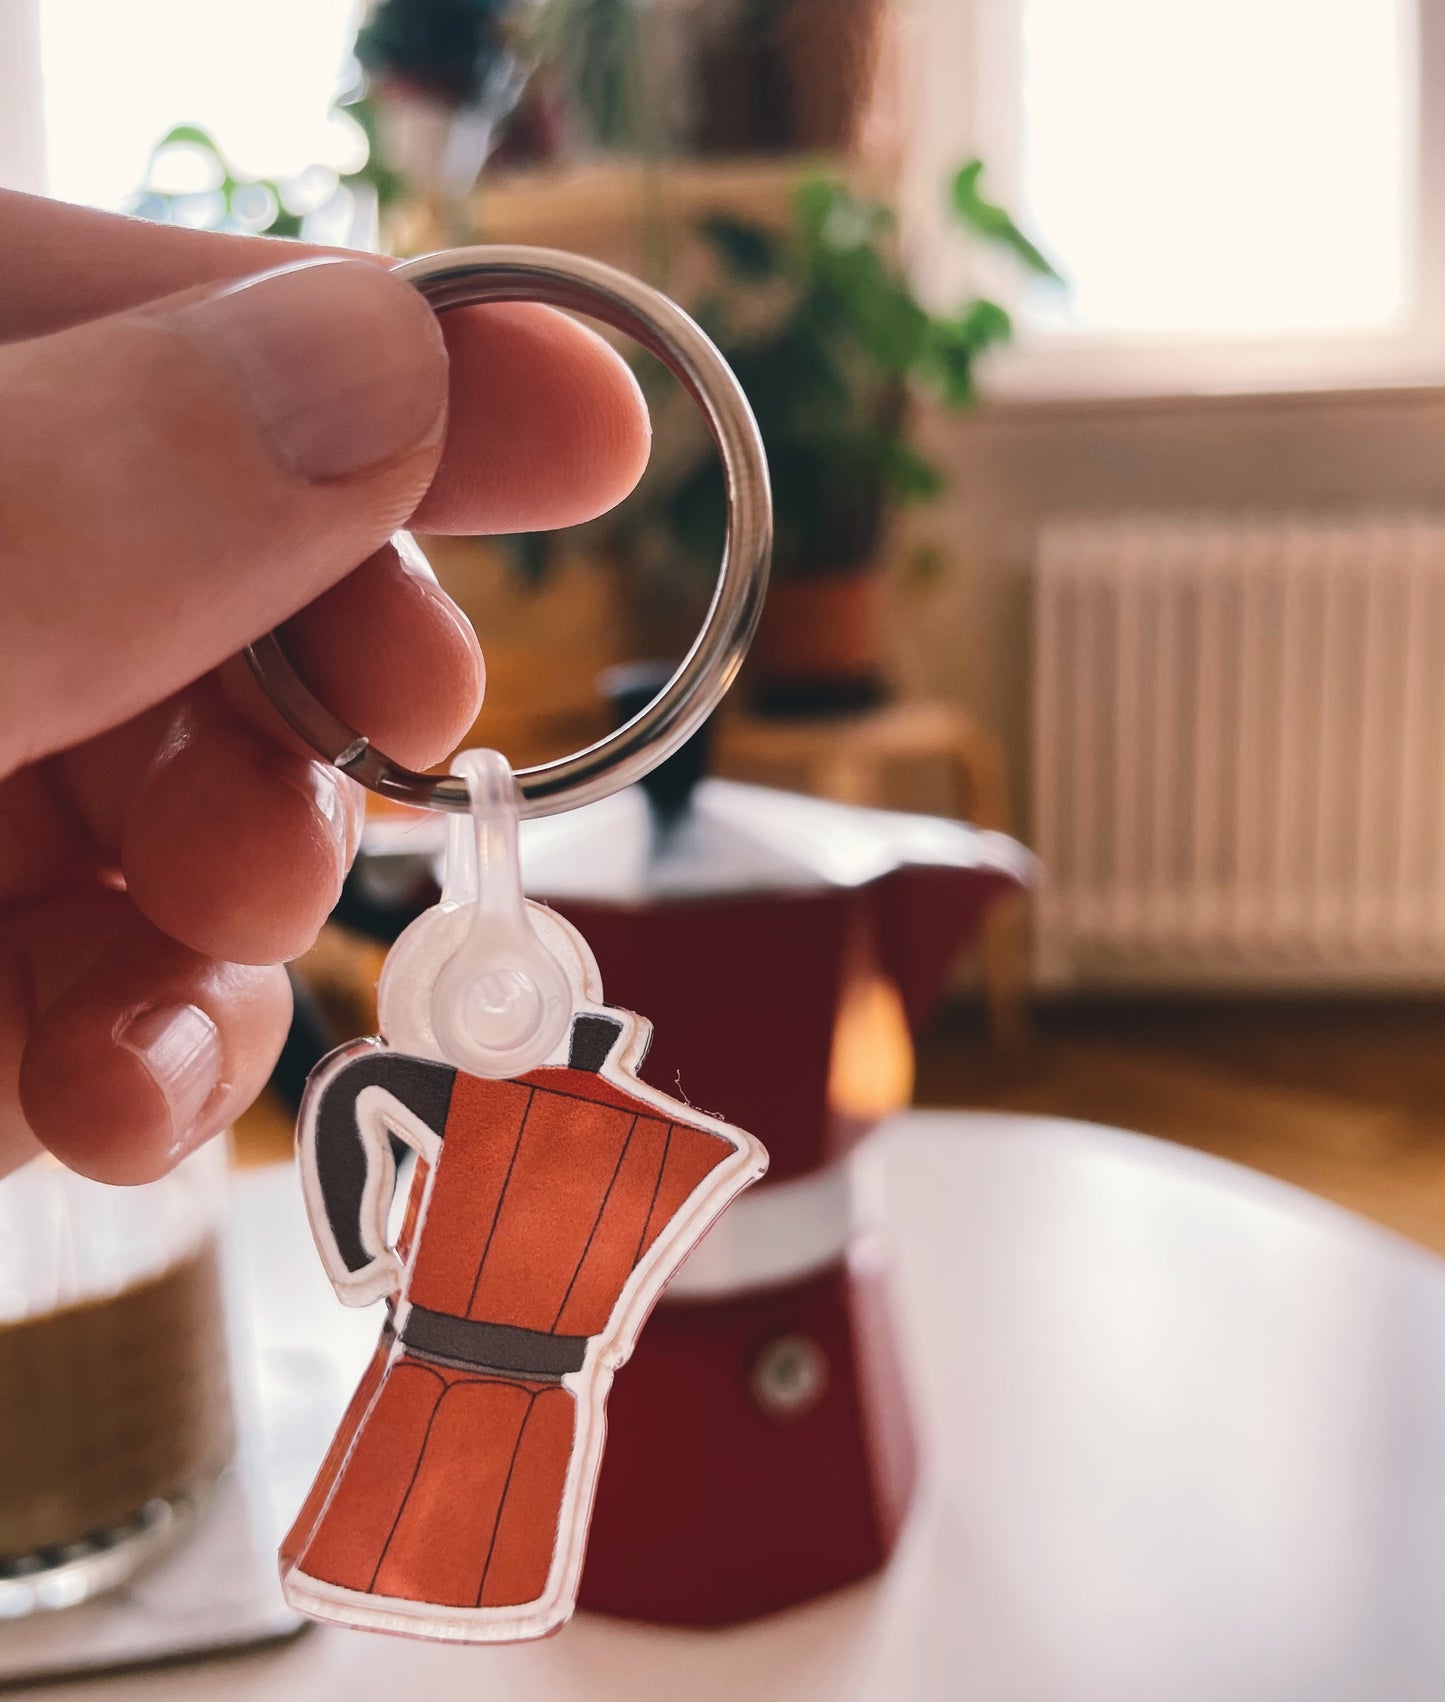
x=184 y=464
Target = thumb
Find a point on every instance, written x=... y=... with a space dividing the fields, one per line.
x=176 y=480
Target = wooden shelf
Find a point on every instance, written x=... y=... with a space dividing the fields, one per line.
x=600 y=195
x=626 y=211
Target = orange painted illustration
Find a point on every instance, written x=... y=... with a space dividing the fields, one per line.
x=544 y=1217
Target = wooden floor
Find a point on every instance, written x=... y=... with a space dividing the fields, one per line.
x=1346 y=1099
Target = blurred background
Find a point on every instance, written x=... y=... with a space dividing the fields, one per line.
x=1098 y=349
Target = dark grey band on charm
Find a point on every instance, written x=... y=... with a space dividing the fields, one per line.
x=504 y=1348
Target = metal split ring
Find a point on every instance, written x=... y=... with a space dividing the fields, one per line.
x=459 y=278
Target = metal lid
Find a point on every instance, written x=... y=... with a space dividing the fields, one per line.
x=736 y=839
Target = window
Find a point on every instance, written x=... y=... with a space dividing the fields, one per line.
x=115 y=77
x=1240 y=167
x=1243 y=194
x=1238 y=191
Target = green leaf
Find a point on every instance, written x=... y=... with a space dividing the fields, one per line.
x=925 y=566
x=954 y=346
x=748 y=250
x=792 y=377
x=989 y=220
x=950 y=372
x=195 y=135
x=531 y=555
x=911 y=476
x=877 y=307
x=982 y=323
x=696 y=511
x=285 y=224
x=813 y=202
x=830 y=220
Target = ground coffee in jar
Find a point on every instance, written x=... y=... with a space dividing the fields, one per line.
x=115 y=1402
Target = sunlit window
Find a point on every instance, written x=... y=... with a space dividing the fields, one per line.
x=260 y=76
x=1221 y=167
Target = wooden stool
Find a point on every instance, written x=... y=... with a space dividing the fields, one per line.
x=866 y=759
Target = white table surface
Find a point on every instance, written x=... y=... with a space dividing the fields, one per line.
x=1186 y=1433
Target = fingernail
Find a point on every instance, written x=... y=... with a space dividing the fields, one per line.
x=413 y=558
x=331 y=797
x=181 y=1049
x=341 y=365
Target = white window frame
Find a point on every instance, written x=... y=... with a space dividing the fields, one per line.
x=966 y=80
x=22 y=117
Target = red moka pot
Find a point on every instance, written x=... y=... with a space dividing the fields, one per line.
x=760 y=1449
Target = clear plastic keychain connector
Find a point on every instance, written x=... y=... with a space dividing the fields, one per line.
x=502 y=1003
x=555 y=1193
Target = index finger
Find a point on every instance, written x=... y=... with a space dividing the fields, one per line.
x=548 y=426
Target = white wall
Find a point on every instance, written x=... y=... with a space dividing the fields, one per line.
x=1014 y=465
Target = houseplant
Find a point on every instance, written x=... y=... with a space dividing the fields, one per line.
x=833 y=346
x=191 y=181
x=446 y=76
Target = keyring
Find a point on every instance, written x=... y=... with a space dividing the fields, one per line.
x=461 y=277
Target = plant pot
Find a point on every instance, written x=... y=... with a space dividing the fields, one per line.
x=830 y=51
x=786 y=77
x=819 y=646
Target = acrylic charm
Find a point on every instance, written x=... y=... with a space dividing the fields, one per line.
x=552 y=1193
x=546 y=1212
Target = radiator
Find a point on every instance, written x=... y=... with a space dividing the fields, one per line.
x=1239 y=752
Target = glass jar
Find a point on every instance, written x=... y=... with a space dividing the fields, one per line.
x=115 y=1402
